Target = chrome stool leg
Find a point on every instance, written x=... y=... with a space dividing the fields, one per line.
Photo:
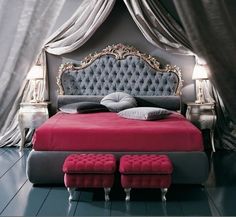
x=107 y=192
x=164 y=208
x=71 y=192
x=163 y=194
x=127 y=192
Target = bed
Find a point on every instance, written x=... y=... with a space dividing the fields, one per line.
x=118 y=68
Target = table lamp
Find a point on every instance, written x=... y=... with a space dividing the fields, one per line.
x=35 y=74
x=200 y=73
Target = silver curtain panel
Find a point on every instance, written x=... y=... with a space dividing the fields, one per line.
x=80 y=27
x=158 y=27
x=24 y=25
x=76 y=31
x=41 y=16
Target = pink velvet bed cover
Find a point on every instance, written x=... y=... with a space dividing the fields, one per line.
x=106 y=131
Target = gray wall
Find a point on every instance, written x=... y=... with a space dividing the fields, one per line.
x=118 y=28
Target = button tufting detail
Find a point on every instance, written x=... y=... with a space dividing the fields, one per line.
x=90 y=163
x=107 y=70
x=145 y=164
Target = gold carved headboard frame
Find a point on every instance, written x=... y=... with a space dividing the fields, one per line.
x=120 y=51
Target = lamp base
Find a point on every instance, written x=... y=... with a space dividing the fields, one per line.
x=200 y=93
x=35 y=101
x=35 y=98
x=199 y=102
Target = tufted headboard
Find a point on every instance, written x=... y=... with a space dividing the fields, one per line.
x=118 y=68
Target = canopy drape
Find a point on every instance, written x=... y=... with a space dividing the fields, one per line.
x=69 y=37
x=158 y=27
x=212 y=36
x=80 y=27
x=26 y=36
x=75 y=32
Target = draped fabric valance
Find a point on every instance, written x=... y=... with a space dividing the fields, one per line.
x=158 y=27
x=80 y=27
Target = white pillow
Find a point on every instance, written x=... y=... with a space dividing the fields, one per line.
x=144 y=113
x=118 y=101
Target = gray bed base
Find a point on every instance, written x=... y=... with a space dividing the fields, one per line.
x=45 y=167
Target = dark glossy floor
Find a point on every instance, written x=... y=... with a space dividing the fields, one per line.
x=19 y=197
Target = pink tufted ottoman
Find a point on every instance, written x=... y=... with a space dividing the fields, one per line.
x=89 y=171
x=145 y=171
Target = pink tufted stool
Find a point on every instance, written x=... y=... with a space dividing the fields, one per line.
x=145 y=171
x=89 y=171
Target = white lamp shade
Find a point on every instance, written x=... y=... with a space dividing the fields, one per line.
x=200 y=72
x=35 y=73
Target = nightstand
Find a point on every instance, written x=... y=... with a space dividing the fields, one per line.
x=203 y=116
x=31 y=115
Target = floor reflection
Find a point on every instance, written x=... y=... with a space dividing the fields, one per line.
x=216 y=197
x=221 y=185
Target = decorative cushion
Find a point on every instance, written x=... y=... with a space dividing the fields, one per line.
x=90 y=163
x=83 y=107
x=145 y=164
x=118 y=101
x=144 y=113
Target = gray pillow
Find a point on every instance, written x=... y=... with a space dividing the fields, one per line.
x=118 y=101
x=144 y=113
x=83 y=107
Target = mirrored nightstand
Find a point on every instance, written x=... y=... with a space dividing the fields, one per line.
x=31 y=115
x=203 y=116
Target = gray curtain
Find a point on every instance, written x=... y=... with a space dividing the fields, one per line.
x=211 y=29
x=80 y=27
x=76 y=31
x=158 y=27
x=69 y=37
x=226 y=129
x=24 y=25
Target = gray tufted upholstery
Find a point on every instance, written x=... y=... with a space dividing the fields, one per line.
x=131 y=75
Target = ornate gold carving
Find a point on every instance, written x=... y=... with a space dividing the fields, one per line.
x=62 y=68
x=120 y=51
